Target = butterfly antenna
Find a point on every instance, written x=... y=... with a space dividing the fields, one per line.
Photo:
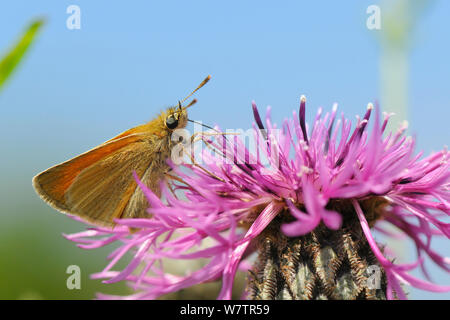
x=199 y=86
x=194 y=101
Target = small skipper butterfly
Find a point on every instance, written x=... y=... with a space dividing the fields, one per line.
x=99 y=186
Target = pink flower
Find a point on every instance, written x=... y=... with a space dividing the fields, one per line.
x=233 y=196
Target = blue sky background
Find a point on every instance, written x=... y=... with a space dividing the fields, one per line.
x=77 y=88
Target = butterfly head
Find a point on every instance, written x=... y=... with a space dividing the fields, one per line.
x=176 y=118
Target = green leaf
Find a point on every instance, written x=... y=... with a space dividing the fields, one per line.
x=12 y=58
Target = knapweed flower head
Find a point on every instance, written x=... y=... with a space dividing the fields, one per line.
x=327 y=175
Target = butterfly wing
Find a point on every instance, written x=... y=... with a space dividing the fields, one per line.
x=143 y=128
x=99 y=186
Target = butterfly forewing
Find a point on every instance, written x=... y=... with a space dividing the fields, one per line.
x=99 y=185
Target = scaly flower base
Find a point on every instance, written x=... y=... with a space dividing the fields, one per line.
x=322 y=265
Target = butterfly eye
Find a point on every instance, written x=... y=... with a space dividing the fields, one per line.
x=171 y=122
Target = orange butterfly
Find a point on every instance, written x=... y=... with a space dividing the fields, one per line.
x=99 y=186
